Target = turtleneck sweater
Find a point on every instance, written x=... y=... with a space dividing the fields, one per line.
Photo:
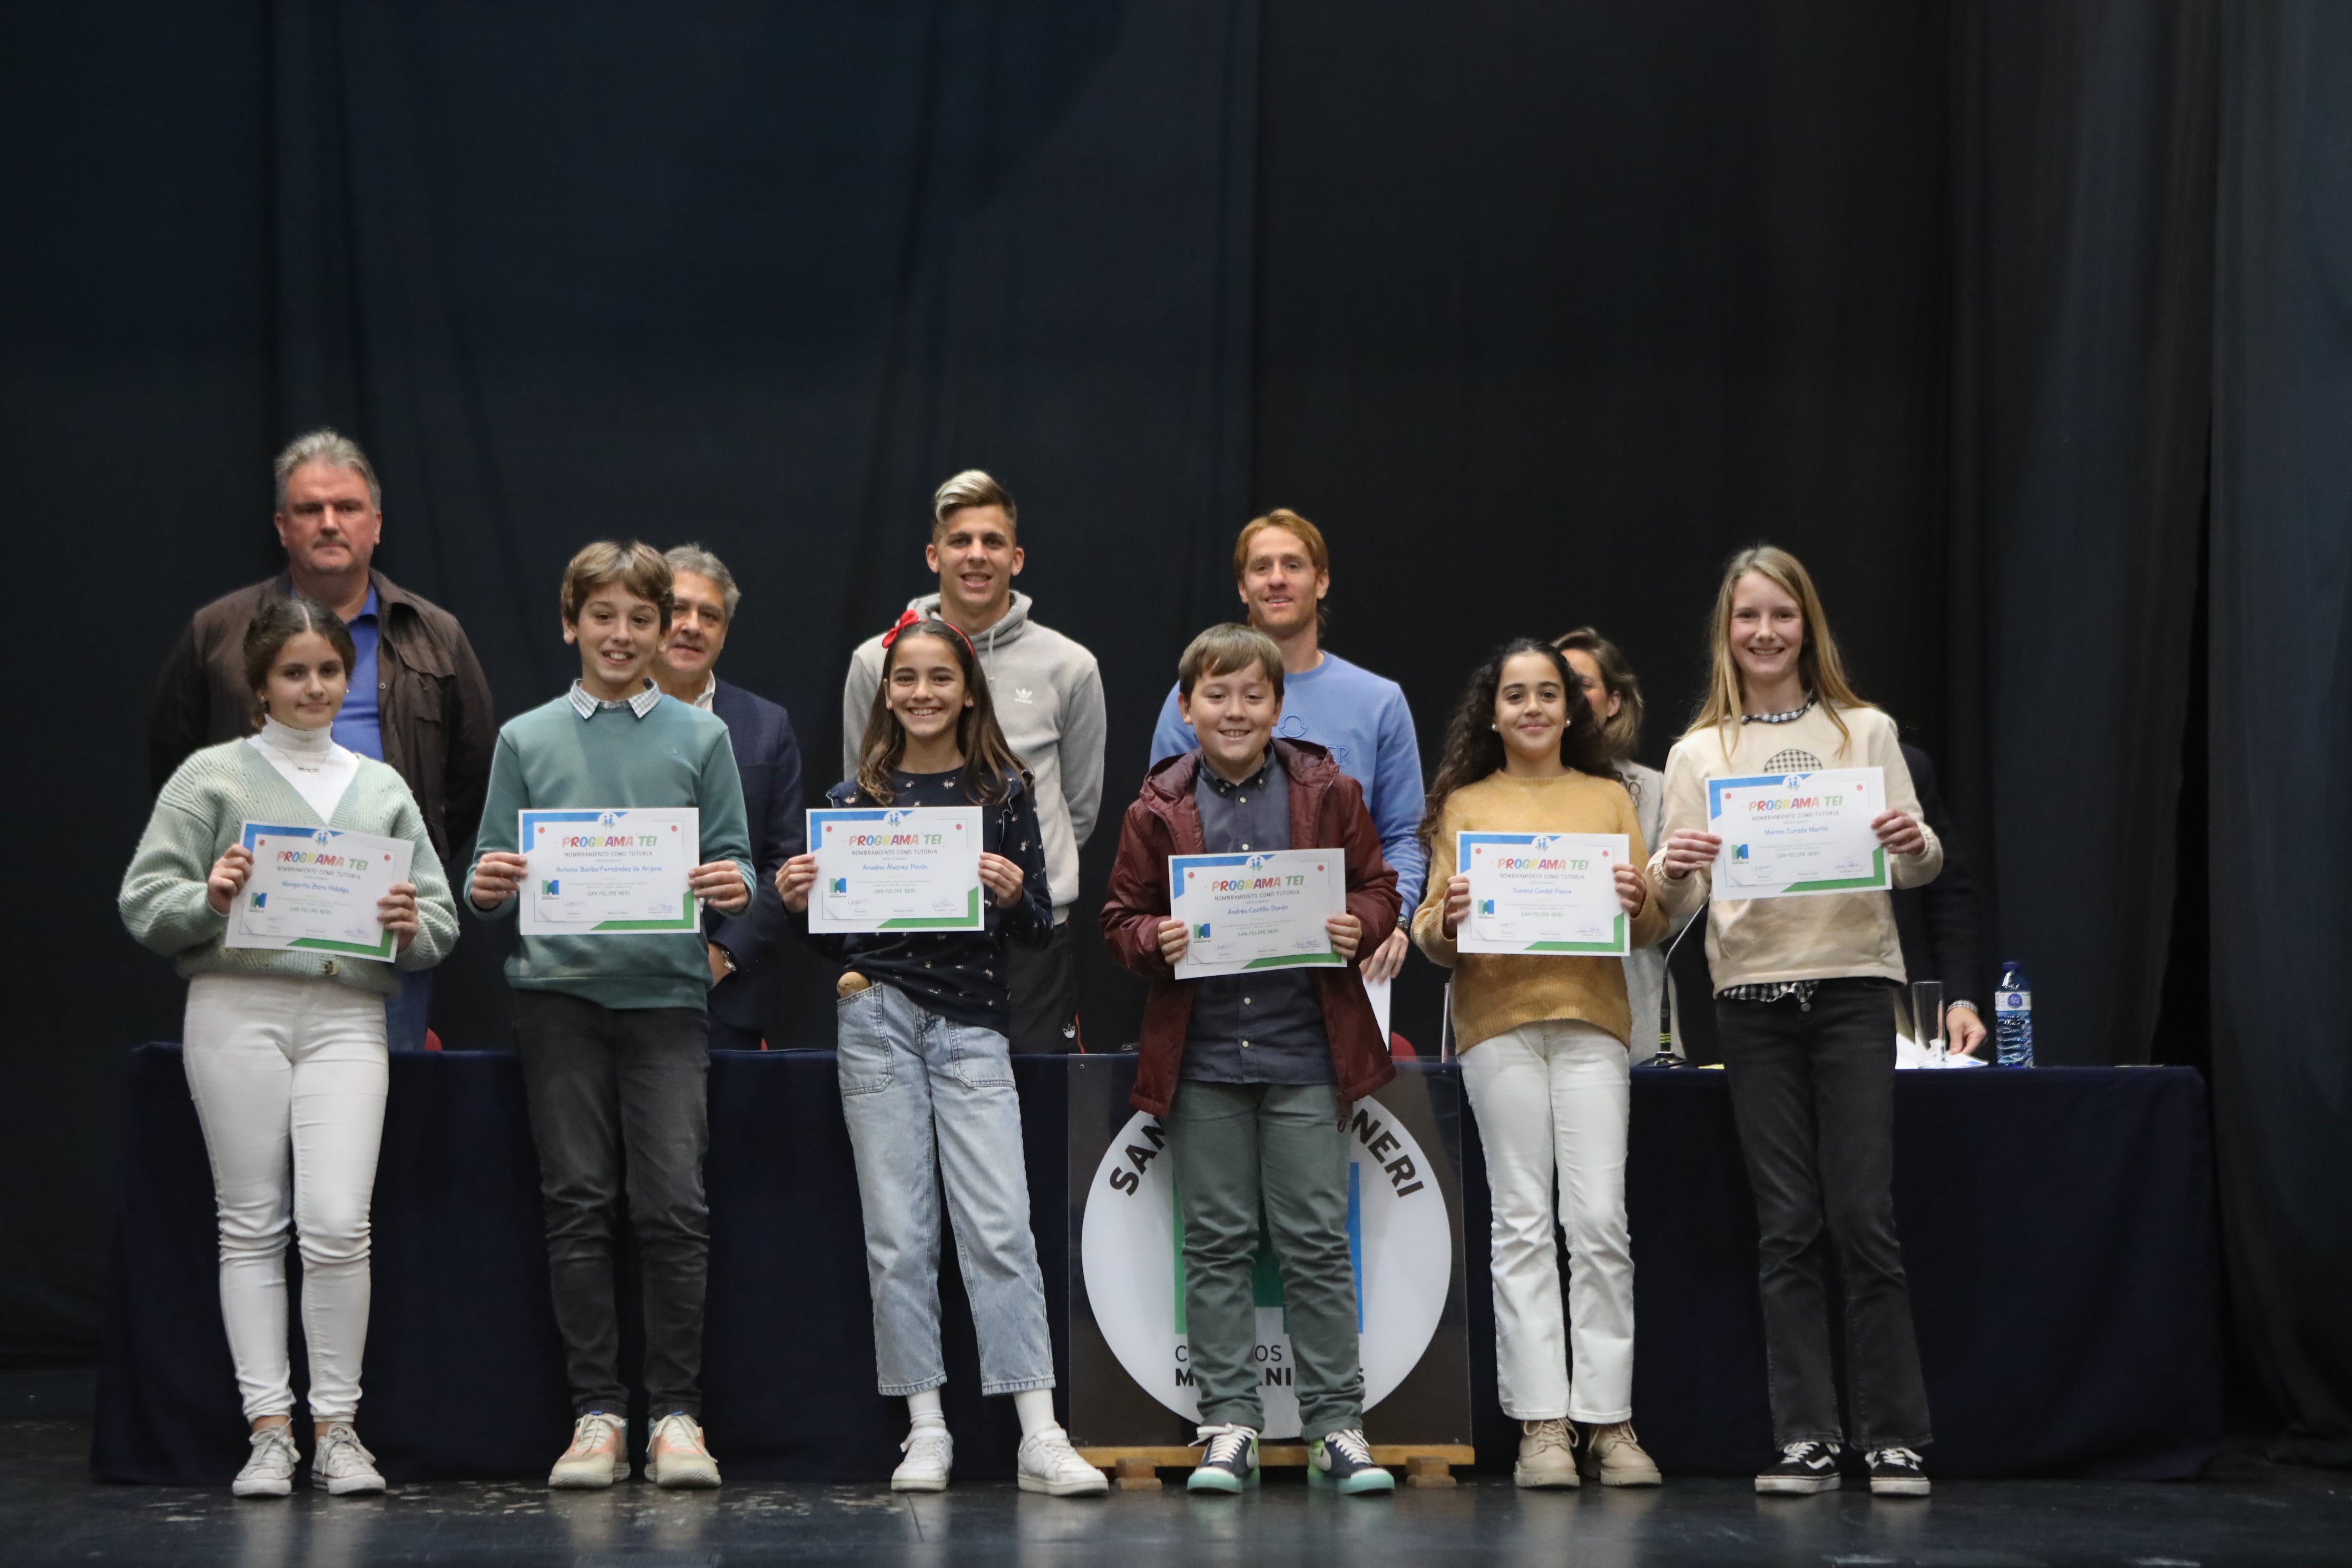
x=319 y=769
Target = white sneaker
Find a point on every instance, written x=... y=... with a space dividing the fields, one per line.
x=1049 y=1465
x=599 y=1454
x=341 y=1465
x=676 y=1458
x=930 y=1454
x=269 y=1469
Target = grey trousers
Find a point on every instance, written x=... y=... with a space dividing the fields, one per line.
x=1276 y=1148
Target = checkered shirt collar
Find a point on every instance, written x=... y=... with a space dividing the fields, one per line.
x=588 y=707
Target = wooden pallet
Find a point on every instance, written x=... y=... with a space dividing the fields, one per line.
x=1425 y=1464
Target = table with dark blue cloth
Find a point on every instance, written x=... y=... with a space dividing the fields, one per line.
x=2058 y=1228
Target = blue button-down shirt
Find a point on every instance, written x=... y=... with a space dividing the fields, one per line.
x=1265 y=1028
x=359 y=726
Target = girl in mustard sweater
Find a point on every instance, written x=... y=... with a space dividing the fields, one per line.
x=1543 y=1041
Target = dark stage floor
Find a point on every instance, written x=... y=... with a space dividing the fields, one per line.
x=51 y=1512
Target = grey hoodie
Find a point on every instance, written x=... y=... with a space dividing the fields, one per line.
x=1049 y=699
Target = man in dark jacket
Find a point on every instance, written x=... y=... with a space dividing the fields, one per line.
x=418 y=699
x=1942 y=923
x=1252 y=1072
x=767 y=755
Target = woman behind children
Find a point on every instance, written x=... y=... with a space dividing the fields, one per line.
x=286 y=1048
x=1544 y=1044
x=927 y=1071
x=1803 y=1010
x=1615 y=693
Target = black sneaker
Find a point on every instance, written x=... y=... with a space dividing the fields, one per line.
x=1803 y=1468
x=1896 y=1472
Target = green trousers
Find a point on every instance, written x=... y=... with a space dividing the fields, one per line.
x=1243 y=1150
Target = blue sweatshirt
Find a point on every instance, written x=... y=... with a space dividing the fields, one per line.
x=1362 y=721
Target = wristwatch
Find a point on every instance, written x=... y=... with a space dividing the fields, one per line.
x=726 y=957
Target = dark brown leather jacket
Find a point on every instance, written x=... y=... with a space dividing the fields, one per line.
x=439 y=727
x=1326 y=812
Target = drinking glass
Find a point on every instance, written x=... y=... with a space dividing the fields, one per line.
x=1928 y=1018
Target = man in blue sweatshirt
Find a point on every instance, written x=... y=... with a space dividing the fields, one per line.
x=610 y=1028
x=1283 y=571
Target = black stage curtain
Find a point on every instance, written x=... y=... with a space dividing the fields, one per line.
x=2282 y=711
x=2082 y=341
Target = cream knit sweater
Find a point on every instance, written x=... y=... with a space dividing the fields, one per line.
x=1824 y=936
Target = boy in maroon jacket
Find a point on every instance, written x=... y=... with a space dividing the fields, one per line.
x=1252 y=1072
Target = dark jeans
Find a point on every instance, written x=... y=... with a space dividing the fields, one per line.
x=1812 y=1090
x=600 y=1080
x=1044 y=986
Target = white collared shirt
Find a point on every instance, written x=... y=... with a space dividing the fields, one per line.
x=709 y=692
x=588 y=707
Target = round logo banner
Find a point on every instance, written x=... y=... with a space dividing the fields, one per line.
x=1399 y=1240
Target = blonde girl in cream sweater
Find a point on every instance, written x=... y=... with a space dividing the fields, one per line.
x=1804 y=1012
x=1543 y=1041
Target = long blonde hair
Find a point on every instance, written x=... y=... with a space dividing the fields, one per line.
x=1818 y=663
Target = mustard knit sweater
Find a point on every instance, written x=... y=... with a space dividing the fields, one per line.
x=1496 y=992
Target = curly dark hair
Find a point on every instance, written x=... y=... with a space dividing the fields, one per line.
x=1474 y=747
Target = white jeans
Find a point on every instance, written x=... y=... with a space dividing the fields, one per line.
x=1551 y=1100
x=281 y=1066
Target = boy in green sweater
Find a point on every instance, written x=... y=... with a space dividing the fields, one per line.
x=611 y=1029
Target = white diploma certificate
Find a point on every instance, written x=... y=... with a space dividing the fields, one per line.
x=915 y=869
x=1257 y=912
x=316 y=888
x=618 y=872
x=1789 y=836
x=1543 y=893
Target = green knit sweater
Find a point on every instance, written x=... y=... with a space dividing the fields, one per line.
x=550 y=759
x=198 y=817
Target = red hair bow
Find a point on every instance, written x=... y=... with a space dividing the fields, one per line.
x=913 y=617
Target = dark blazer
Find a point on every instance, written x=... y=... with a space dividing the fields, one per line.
x=769 y=759
x=1326 y=812
x=439 y=728
x=1942 y=923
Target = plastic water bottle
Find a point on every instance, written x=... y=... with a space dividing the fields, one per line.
x=2013 y=1016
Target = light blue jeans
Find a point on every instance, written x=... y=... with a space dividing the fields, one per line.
x=923 y=1096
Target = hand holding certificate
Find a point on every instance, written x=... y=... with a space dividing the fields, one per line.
x=317 y=889
x=915 y=869
x=1266 y=911
x=1543 y=893
x=621 y=871
x=1787 y=837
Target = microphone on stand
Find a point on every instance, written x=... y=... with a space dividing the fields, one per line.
x=1666 y=1057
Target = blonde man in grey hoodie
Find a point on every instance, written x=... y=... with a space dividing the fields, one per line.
x=1048 y=696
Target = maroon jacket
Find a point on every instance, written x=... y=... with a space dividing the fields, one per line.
x=1326 y=812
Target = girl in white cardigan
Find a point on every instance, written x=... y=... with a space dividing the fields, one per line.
x=285 y=1048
